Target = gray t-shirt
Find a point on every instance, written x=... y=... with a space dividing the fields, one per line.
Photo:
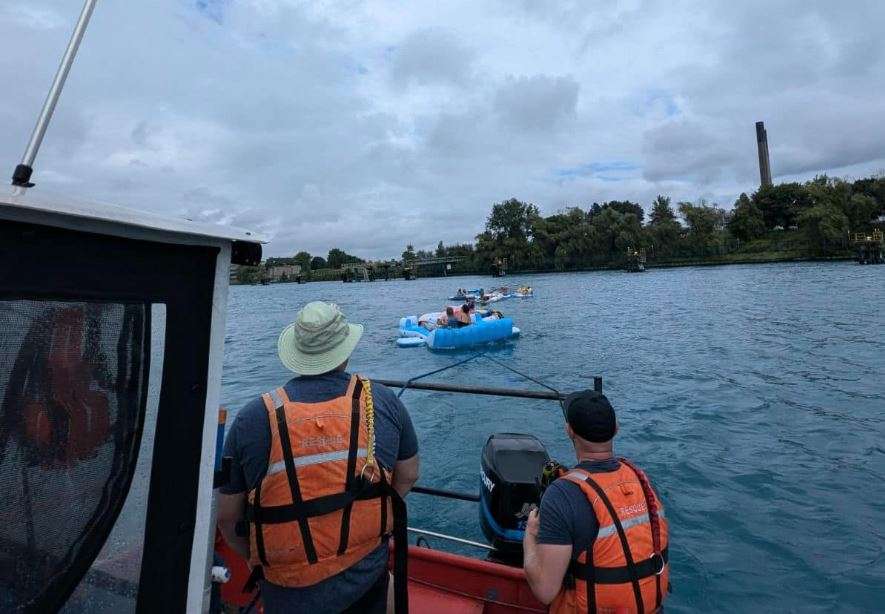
x=248 y=444
x=567 y=516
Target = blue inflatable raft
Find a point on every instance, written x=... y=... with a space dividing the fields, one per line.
x=483 y=331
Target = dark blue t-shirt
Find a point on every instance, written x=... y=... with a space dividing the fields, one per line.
x=567 y=518
x=248 y=445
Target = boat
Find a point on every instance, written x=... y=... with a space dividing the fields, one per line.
x=512 y=473
x=524 y=292
x=444 y=582
x=131 y=308
x=421 y=330
x=161 y=339
x=116 y=318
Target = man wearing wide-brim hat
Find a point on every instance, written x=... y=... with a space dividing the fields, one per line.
x=295 y=450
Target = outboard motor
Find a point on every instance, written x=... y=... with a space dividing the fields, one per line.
x=510 y=468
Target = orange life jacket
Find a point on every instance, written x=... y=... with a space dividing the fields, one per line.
x=66 y=419
x=324 y=503
x=626 y=569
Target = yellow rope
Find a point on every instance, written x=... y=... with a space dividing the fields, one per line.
x=370 y=423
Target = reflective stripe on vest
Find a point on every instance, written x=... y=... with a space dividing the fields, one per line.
x=313 y=459
x=610 y=529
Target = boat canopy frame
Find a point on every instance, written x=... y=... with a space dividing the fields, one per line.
x=59 y=249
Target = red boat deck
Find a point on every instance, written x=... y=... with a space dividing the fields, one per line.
x=454 y=584
x=438 y=582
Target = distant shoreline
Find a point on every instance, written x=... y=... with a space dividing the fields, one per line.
x=742 y=259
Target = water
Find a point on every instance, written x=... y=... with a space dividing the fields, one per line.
x=752 y=395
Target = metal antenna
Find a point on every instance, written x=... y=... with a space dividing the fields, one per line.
x=22 y=175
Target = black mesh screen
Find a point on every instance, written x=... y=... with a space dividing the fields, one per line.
x=73 y=384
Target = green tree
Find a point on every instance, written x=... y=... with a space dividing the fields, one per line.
x=625 y=207
x=704 y=222
x=337 y=258
x=302 y=259
x=746 y=221
x=279 y=262
x=614 y=232
x=409 y=254
x=825 y=226
x=860 y=210
x=508 y=234
x=661 y=211
x=781 y=204
x=317 y=263
x=440 y=250
x=563 y=240
x=248 y=274
x=874 y=187
x=511 y=219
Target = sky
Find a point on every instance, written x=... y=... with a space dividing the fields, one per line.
x=366 y=124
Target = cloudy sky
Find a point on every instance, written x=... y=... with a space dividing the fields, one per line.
x=367 y=124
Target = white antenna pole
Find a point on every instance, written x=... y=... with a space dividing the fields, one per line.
x=22 y=175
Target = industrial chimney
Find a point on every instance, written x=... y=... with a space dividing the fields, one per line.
x=764 y=166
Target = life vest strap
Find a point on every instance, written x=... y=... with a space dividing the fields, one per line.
x=625 y=544
x=294 y=487
x=320 y=506
x=655 y=513
x=619 y=575
x=344 y=536
x=259 y=532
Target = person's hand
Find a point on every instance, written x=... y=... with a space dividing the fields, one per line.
x=533 y=522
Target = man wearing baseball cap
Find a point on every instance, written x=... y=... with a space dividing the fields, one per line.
x=600 y=541
x=318 y=468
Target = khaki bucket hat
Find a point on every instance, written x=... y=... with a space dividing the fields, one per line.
x=319 y=339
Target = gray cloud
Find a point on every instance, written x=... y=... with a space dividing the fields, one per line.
x=354 y=125
x=431 y=57
x=539 y=102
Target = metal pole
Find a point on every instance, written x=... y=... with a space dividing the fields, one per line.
x=498 y=392
x=22 y=175
x=446 y=494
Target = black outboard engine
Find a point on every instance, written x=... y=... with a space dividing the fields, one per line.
x=510 y=467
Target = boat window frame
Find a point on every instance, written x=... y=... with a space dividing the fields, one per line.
x=58 y=263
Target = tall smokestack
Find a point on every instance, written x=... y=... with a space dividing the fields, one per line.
x=764 y=166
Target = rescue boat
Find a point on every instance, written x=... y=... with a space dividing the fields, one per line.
x=112 y=325
x=122 y=479
x=512 y=466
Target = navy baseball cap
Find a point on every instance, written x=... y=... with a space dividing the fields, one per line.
x=591 y=416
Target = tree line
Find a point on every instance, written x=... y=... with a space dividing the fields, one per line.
x=802 y=220
x=811 y=219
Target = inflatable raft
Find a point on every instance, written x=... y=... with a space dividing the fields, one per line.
x=473 y=294
x=484 y=330
x=494 y=297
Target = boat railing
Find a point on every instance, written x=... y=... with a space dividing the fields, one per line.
x=551 y=395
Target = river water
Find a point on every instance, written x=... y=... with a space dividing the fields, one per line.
x=754 y=396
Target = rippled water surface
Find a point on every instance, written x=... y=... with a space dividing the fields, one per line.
x=754 y=396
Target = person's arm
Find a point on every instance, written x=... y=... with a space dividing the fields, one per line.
x=544 y=564
x=406 y=469
x=405 y=474
x=248 y=438
x=231 y=510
